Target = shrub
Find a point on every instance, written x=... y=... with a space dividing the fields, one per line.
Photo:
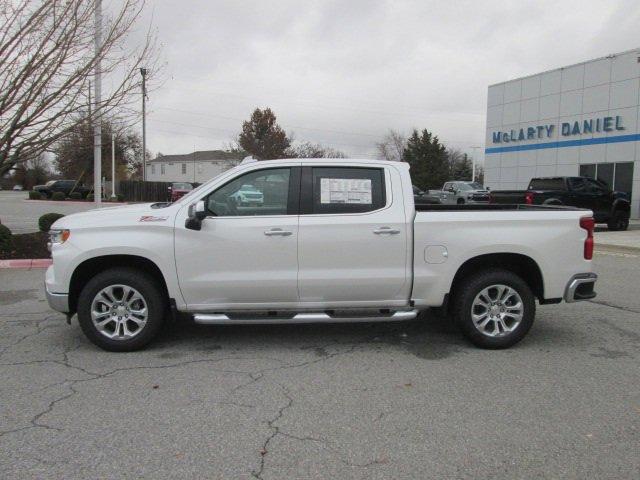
x=33 y=195
x=58 y=196
x=90 y=197
x=48 y=219
x=119 y=197
x=75 y=196
x=6 y=239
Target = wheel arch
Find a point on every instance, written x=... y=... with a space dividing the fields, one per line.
x=522 y=265
x=90 y=267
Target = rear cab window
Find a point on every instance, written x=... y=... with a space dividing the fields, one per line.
x=342 y=190
x=547 y=184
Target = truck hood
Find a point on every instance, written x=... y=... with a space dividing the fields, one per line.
x=117 y=216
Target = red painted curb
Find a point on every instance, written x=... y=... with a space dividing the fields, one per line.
x=26 y=263
x=74 y=202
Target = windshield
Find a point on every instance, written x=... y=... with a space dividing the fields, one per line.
x=471 y=186
x=50 y=182
x=182 y=186
x=194 y=193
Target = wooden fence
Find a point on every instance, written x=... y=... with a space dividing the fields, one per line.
x=138 y=191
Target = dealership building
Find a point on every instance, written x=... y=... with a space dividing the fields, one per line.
x=581 y=119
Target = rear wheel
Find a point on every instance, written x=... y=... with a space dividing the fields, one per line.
x=619 y=221
x=494 y=309
x=121 y=309
x=460 y=201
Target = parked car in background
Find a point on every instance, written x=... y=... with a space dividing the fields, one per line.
x=17 y=188
x=248 y=195
x=64 y=186
x=178 y=190
x=459 y=193
x=420 y=197
x=334 y=241
x=610 y=207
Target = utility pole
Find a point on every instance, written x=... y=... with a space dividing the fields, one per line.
x=113 y=164
x=143 y=72
x=97 y=128
x=473 y=163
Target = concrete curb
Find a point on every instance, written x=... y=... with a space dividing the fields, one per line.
x=26 y=263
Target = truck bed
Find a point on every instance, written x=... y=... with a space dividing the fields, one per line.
x=491 y=207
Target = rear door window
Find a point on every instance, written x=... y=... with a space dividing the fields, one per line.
x=334 y=190
x=547 y=184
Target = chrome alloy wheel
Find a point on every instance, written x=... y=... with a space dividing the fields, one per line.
x=497 y=311
x=119 y=312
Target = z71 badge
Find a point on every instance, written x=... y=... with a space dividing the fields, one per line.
x=152 y=218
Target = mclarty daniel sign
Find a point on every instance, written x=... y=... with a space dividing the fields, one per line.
x=567 y=129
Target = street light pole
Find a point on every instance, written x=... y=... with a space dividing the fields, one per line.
x=113 y=165
x=473 y=163
x=97 y=128
x=143 y=72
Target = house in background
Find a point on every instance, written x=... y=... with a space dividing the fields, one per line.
x=195 y=167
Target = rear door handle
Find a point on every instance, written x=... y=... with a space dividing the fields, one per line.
x=277 y=232
x=386 y=230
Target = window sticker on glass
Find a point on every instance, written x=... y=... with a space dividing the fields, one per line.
x=345 y=190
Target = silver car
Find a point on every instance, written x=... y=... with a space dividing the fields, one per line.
x=463 y=192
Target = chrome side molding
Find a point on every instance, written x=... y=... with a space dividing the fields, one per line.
x=303 y=317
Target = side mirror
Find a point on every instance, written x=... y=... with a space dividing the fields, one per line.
x=197 y=213
x=488 y=189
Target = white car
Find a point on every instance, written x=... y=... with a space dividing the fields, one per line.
x=342 y=241
x=248 y=195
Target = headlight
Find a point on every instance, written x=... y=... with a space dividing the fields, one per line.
x=57 y=237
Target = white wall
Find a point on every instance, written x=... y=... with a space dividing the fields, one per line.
x=173 y=171
x=606 y=87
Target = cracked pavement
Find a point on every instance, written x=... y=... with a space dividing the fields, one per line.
x=404 y=400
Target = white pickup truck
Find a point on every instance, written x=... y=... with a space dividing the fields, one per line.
x=331 y=241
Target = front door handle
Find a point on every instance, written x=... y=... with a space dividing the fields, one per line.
x=277 y=232
x=386 y=230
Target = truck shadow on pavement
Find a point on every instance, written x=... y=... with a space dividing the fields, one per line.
x=429 y=337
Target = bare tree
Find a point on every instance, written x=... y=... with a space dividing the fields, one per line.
x=314 y=150
x=47 y=60
x=392 y=146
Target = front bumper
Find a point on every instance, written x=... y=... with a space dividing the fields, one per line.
x=580 y=287
x=57 y=301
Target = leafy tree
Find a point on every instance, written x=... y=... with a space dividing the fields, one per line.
x=34 y=171
x=314 y=150
x=262 y=137
x=460 y=165
x=74 y=152
x=428 y=160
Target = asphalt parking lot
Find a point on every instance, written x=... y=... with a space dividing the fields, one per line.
x=22 y=216
x=401 y=401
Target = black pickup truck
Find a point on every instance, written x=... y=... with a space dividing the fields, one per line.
x=64 y=186
x=608 y=206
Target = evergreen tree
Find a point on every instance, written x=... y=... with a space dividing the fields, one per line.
x=461 y=168
x=428 y=160
x=262 y=137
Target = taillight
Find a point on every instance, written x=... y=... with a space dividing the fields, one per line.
x=528 y=198
x=588 y=224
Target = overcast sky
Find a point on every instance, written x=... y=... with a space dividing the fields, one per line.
x=342 y=73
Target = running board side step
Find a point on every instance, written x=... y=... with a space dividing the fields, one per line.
x=222 y=319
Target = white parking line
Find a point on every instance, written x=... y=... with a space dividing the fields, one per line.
x=617 y=254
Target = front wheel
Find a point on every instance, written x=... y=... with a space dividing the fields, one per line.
x=121 y=309
x=460 y=201
x=494 y=309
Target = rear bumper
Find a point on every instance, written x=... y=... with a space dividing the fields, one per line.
x=580 y=287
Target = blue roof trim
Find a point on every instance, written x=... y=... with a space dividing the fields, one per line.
x=566 y=143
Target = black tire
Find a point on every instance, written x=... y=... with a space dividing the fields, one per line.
x=148 y=288
x=469 y=288
x=460 y=201
x=619 y=222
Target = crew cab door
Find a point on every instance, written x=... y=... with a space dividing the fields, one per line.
x=246 y=253
x=353 y=237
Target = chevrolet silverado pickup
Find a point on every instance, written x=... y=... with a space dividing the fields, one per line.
x=331 y=241
x=608 y=206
